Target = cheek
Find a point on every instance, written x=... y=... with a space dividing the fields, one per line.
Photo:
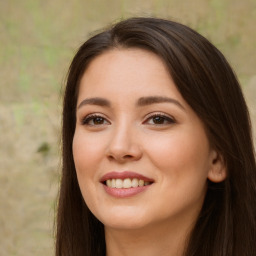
x=183 y=165
x=86 y=151
x=87 y=154
x=180 y=153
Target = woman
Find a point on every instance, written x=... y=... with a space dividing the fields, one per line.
x=158 y=156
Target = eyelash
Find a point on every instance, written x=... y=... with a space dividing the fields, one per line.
x=87 y=119
x=165 y=118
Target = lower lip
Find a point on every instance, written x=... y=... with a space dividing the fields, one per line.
x=125 y=192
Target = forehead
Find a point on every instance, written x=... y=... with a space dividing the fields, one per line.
x=126 y=70
x=125 y=61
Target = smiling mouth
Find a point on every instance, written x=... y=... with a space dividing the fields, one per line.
x=126 y=183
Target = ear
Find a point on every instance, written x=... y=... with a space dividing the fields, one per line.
x=218 y=170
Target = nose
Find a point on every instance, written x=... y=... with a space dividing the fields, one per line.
x=124 y=145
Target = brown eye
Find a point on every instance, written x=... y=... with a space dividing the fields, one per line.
x=98 y=120
x=159 y=119
x=94 y=120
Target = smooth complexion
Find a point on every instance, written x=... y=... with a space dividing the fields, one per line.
x=131 y=117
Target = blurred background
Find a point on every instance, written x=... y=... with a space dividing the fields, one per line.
x=38 y=39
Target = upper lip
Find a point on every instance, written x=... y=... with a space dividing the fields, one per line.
x=123 y=175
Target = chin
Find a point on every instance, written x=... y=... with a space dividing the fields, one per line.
x=123 y=220
x=125 y=225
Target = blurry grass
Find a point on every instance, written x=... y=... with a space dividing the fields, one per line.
x=38 y=39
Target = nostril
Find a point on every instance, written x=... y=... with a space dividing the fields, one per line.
x=120 y=157
x=128 y=156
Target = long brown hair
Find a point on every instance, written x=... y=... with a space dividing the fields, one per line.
x=226 y=225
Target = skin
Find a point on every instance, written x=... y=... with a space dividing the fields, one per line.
x=175 y=153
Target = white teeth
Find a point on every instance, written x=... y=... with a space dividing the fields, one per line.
x=113 y=183
x=119 y=183
x=109 y=183
x=141 y=183
x=126 y=183
x=135 y=183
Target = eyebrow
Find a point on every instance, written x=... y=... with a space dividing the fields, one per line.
x=143 y=101
x=95 y=101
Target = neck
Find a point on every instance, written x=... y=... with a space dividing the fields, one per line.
x=158 y=239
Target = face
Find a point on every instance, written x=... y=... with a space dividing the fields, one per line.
x=141 y=153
